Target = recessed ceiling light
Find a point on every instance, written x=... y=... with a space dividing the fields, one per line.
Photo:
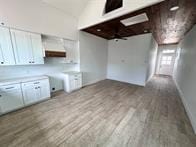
x=174 y=8
x=98 y=30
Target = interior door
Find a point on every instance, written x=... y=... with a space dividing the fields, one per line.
x=22 y=47
x=6 y=50
x=10 y=98
x=167 y=62
x=37 y=48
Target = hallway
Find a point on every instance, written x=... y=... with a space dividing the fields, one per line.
x=106 y=114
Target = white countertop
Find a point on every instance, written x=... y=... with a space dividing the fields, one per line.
x=72 y=72
x=21 y=80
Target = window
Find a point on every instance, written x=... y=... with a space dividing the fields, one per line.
x=113 y=5
x=168 y=51
x=166 y=60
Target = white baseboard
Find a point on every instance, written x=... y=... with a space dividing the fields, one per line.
x=186 y=105
x=93 y=82
x=133 y=83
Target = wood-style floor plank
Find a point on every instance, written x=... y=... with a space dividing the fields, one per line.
x=106 y=114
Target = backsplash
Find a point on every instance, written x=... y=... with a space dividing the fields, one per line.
x=53 y=67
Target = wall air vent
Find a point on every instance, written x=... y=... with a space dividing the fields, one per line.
x=135 y=19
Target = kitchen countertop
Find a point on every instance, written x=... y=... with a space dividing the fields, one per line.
x=21 y=80
x=72 y=72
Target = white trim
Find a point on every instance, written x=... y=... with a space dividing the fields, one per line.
x=93 y=82
x=186 y=106
x=55 y=50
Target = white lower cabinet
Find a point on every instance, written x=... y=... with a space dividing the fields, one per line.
x=30 y=93
x=35 y=91
x=24 y=93
x=72 y=81
x=10 y=98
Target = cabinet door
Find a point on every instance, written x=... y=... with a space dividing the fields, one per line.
x=71 y=51
x=44 y=89
x=10 y=98
x=30 y=93
x=22 y=47
x=36 y=91
x=72 y=84
x=79 y=83
x=37 y=49
x=6 y=50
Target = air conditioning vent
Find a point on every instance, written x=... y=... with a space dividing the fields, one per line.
x=135 y=19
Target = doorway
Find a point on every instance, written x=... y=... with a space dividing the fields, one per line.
x=166 y=60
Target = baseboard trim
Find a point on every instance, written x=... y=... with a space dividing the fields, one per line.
x=132 y=83
x=93 y=82
x=186 y=106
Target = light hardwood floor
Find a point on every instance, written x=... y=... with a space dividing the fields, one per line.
x=106 y=114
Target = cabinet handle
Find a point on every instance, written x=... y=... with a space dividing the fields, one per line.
x=2 y=62
x=9 y=88
x=29 y=61
x=0 y=95
x=36 y=82
x=33 y=62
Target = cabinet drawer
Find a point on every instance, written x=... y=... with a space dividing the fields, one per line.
x=78 y=76
x=8 y=88
x=37 y=82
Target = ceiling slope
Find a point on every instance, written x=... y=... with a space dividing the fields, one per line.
x=94 y=11
x=71 y=7
x=168 y=27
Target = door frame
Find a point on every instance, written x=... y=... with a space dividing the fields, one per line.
x=159 y=56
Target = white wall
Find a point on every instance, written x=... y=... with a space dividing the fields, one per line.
x=93 y=58
x=185 y=73
x=152 y=59
x=128 y=59
x=93 y=12
x=36 y=16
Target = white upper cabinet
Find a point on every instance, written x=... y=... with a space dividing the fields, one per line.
x=22 y=47
x=37 y=49
x=27 y=47
x=72 y=51
x=6 y=50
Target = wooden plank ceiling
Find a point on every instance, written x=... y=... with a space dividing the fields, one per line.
x=168 y=27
